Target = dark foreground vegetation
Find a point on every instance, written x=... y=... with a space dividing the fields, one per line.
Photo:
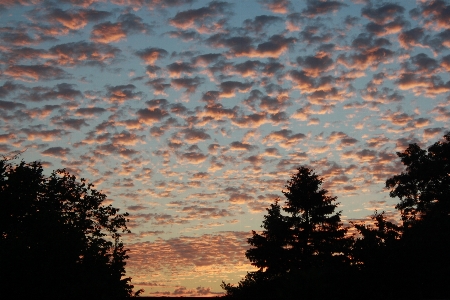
x=304 y=252
x=57 y=239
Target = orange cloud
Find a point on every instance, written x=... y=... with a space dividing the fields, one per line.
x=285 y=138
x=250 y=121
x=151 y=55
x=108 y=32
x=35 y=72
x=193 y=157
x=277 y=6
x=76 y=19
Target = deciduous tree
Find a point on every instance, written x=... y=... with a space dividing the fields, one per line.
x=424 y=192
x=424 y=187
x=57 y=238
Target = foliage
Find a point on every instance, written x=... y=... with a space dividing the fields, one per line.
x=424 y=192
x=425 y=186
x=309 y=238
x=374 y=242
x=318 y=237
x=306 y=254
x=269 y=250
x=57 y=237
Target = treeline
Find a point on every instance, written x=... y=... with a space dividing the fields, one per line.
x=304 y=251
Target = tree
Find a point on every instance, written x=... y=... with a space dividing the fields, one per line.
x=58 y=240
x=300 y=251
x=374 y=241
x=424 y=192
x=314 y=258
x=317 y=235
x=425 y=186
x=269 y=250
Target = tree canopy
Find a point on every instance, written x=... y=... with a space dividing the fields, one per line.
x=270 y=248
x=305 y=252
x=424 y=187
x=309 y=236
x=317 y=232
x=58 y=239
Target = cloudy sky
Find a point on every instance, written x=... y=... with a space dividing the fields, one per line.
x=192 y=115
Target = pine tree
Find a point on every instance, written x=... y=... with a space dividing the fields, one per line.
x=269 y=252
x=303 y=236
x=317 y=236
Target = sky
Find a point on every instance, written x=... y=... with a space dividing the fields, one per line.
x=192 y=115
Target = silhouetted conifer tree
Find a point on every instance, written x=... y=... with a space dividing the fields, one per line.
x=317 y=235
x=298 y=250
x=269 y=250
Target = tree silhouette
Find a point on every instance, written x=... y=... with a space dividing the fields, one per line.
x=297 y=250
x=318 y=237
x=269 y=250
x=58 y=240
x=374 y=242
x=304 y=252
x=425 y=186
x=424 y=192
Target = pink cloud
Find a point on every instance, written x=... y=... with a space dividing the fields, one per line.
x=316 y=65
x=76 y=19
x=238 y=146
x=193 y=157
x=385 y=12
x=315 y=8
x=126 y=138
x=151 y=55
x=229 y=88
x=177 y=68
x=250 y=121
x=285 y=138
x=151 y=116
x=276 y=6
x=189 y=84
x=242 y=46
x=114 y=32
x=411 y=38
x=122 y=93
x=108 y=32
x=83 y=53
x=386 y=29
x=438 y=12
x=201 y=19
x=35 y=72
x=193 y=136
x=58 y=152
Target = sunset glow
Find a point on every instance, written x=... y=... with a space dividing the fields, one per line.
x=191 y=115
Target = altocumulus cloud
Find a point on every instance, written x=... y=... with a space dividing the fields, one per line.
x=193 y=114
